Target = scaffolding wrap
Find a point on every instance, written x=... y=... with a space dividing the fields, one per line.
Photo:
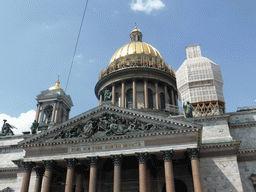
x=199 y=79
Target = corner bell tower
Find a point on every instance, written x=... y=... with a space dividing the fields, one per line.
x=53 y=106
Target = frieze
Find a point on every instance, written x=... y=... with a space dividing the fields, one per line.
x=242 y=124
x=106 y=147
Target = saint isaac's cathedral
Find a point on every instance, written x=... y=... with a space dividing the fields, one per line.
x=137 y=139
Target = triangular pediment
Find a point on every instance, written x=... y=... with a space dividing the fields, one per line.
x=108 y=120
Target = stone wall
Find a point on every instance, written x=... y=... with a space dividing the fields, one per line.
x=220 y=174
x=246 y=168
x=214 y=130
x=243 y=128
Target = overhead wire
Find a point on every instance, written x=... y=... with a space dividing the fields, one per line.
x=81 y=25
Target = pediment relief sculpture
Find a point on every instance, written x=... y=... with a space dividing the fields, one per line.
x=107 y=124
x=7 y=189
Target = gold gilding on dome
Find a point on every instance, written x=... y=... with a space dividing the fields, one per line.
x=136 y=47
x=56 y=86
x=136 y=54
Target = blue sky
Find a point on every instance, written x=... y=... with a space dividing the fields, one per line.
x=37 y=40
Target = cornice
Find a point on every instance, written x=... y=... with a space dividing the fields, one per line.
x=188 y=126
x=246 y=151
x=6 y=170
x=242 y=124
x=212 y=118
x=218 y=145
x=112 y=138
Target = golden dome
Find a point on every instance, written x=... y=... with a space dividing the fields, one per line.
x=136 y=47
x=56 y=86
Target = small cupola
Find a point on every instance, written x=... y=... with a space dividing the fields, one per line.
x=136 y=35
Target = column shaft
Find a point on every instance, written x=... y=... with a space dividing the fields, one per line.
x=93 y=173
x=193 y=154
x=100 y=101
x=41 y=116
x=47 y=175
x=142 y=158
x=69 y=179
x=123 y=95
x=196 y=175
x=157 y=95
x=25 y=181
x=176 y=99
x=60 y=113
x=38 y=184
x=146 y=94
x=117 y=178
x=134 y=95
x=79 y=182
x=68 y=114
x=143 y=177
x=53 y=112
x=166 y=94
x=169 y=177
x=39 y=179
x=113 y=94
x=37 y=112
x=47 y=180
x=93 y=179
x=173 y=98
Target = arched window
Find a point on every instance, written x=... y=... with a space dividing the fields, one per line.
x=129 y=102
x=162 y=101
x=47 y=114
x=150 y=99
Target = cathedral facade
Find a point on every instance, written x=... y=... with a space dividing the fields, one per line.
x=137 y=138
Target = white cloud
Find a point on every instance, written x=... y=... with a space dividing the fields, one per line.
x=23 y=122
x=147 y=5
x=78 y=56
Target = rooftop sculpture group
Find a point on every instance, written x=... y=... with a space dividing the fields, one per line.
x=109 y=124
x=7 y=129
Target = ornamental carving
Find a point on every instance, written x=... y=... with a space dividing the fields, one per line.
x=142 y=157
x=28 y=165
x=49 y=164
x=108 y=124
x=193 y=153
x=93 y=161
x=7 y=189
x=117 y=159
x=71 y=163
x=167 y=155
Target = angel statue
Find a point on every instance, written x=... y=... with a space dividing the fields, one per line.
x=107 y=95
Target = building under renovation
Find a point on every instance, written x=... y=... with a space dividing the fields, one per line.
x=137 y=138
